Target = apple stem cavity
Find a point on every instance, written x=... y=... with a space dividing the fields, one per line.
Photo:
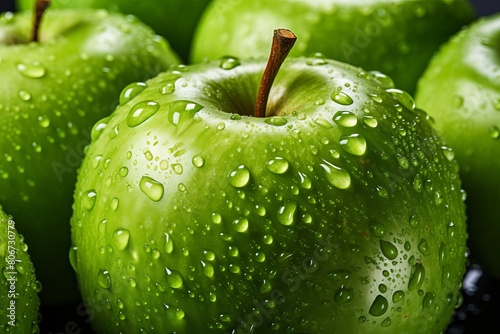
x=40 y=7
x=283 y=41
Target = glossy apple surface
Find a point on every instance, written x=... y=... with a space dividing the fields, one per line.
x=341 y=211
x=395 y=37
x=461 y=91
x=52 y=94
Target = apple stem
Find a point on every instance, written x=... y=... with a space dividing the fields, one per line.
x=40 y=7
x=283 y=41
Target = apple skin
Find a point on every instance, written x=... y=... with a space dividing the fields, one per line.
x=18 y=278
x=460 y=90
x=193 y=217
x=173 y=19
x=85 y=59
x=394 y=37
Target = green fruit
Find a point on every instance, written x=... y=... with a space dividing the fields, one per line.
x=52 y=93
x=461 y=91
x=341 y=211
x=394 y=37
x=19 y=300
x=173 y=19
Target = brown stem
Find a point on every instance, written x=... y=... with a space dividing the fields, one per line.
x=40 y=7
x=283 y=41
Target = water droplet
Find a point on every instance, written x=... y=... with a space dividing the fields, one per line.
x=379 y=306
x=494 y=132
x=239 y=177
x=174 y=278
x=403 y=97
x=121 y=238
x=44 y=121
x=216 y=218
x=123 y=171
x=177 y=168
x=370 y=121
x=344 y=295
x=104 y=279
x=423 y=247
x=182 y=111
x=73 y=259
x=277 y=165
x=286 y=213
x=342 y=98
x=383 y=78
x=376 y=98
x=403 y=162
x=276 y=121
x=398 y=296
x=33 y=71
x=346 y=119
x=88 y=199
x=382 y=192
x=378 y=229
x=208 y=269
x=429 y=300
x=151 y=188
x=305 y=182
x=198 y=161
x=24 y=95
x=386 y=323
x=168 y=88
x=241 y=225
x=131 y=91
x=337 y=176
x=228 y=63
x=114 y=203
x=417 y=277
x=388 y=249
x=354 y=144
x=443 y=252
x=99 y=127
x=141 y=112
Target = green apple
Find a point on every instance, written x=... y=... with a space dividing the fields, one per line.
x=339 y=211
x=19 y=301
x=52 y=93
x=396 y=37
x=173 y=19
x=461 y=91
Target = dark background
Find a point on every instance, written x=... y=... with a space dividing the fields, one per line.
x=479 y=312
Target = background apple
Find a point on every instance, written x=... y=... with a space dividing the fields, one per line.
x=340 y=211
x=173 y=19
x=461 y=91
x=52 y=94
x=394 y=37
x=19 y=300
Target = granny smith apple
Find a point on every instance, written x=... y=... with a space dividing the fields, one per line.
x=19 y=301
x=173 y=19
x=53 y=91
x=338 y=211
x=396 y=37
x=461 y=91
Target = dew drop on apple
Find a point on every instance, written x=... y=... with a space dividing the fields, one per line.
x=379 y=306
x=121 y=237
x=382 y=192
x=277 y=165
x=44 y=121
x=114 y=203
x=383 y=78
x=168 y=88
x=417 y=277
x=169 y=244
x=73 y=260
x=174 y=278
x=241 y=224
x=398 y=296
x=305 y=181
x=123 y=171
x=265 y=287
x=104 y=279
x=448 y=153
x=346 y=119
x=403 y=97
x=98 y=127
x=33 y=71
x=442 y=253
x=414 y=221
x=181 y=111
x=131 y=91
x=216 y=218
x=240 y=177
x=141 y=112
x=342 y=98
x=354 y=144
x=286 y=213
x=228 y=63
x=370 y=121
x=151 y=188
x=88 y=199
x=386 y=322
x=388 y=249
x=336 y=176
x=178 y=169
x=423 y=247
x=344 y=295
x=24 y=95
x=198 y=161
x=208 y=269
x=429 y=300
x=276 y=121
x=268 y=239
x=494 y=132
